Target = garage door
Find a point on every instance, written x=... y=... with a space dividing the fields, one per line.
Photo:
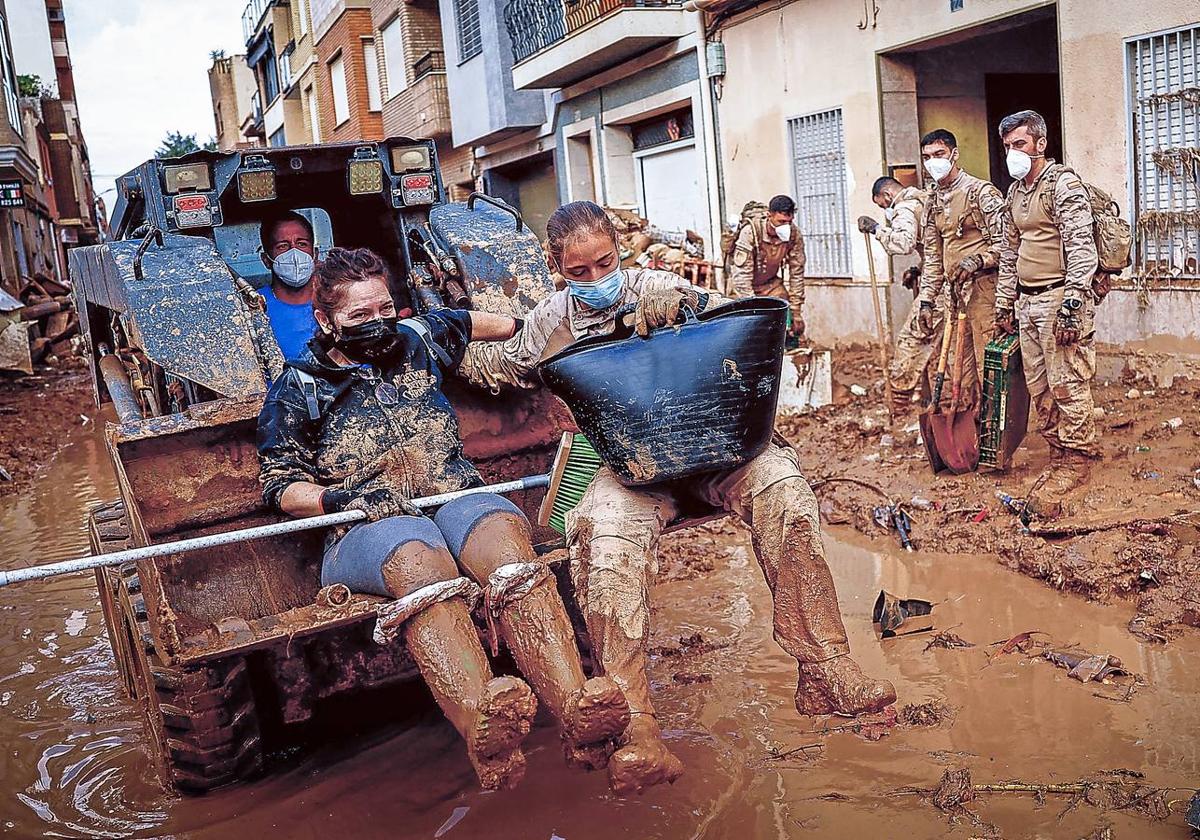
x=672 y=192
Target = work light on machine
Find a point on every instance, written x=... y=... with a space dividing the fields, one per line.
x=365 y=172
x=256 y=179
x=410 y=158
x=192 y=176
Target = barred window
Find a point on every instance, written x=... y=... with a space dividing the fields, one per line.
x=1164 y=84
x=466 y=19
x=819 y=172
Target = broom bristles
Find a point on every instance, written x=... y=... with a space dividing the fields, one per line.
x=575 y=465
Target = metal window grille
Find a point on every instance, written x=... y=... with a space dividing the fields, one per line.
x=9 y=80
x=819 y=170
x=1164 y=85
x=470 y=38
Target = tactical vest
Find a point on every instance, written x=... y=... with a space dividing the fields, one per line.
x=1040 y=252
x=959 y=221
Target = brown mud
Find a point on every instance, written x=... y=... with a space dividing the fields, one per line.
x=37 y=416
x=1129 y=534
x=76 y=760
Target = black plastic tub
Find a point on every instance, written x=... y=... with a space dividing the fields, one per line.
x=689 y=399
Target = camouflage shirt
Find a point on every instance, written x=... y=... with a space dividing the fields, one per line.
x=559 y=320
x=758 y=261
x=1070 y=210
x=364 y=412
x=901 y=235
x=962 y=219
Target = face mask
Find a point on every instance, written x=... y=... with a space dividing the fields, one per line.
x=371 y=341
x=889 y=213
x=1019 y=163
x=784 y=232
x=938 y=168
x=293 y=267
x=601 y=294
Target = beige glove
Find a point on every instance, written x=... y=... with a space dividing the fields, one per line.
x=657 y=308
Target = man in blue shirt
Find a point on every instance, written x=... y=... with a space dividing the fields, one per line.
x=289 y=251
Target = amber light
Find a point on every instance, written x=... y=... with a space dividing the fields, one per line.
x=366 y=177
x=256 y=185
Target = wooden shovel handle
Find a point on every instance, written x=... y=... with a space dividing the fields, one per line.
x=956 y=379
x=940 y=379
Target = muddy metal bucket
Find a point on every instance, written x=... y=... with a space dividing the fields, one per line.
x=694 y=398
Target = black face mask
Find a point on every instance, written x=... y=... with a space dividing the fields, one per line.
x=371 y=341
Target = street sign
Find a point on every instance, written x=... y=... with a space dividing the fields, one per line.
x=12 y=194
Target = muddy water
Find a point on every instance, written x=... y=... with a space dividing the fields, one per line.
x=73 y=763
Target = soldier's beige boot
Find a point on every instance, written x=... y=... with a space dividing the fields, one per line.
x=1068 y=470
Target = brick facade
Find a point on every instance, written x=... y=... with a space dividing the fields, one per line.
x=345 y=37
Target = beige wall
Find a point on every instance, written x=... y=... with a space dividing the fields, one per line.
x=811 y=55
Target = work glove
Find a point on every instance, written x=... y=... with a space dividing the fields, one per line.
x=1067 y=325
x=925 y=317
x=911 y=279
x=866 y=224
x=657 y=308
x=798 y=326
x=376 y=500
x=967 y=268
x=1005 y=323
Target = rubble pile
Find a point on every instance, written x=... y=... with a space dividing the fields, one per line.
x=644 y=244
x=40 y=325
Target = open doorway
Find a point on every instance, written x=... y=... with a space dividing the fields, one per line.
x=966 y=81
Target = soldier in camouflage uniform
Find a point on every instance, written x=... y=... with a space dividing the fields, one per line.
x=1048 y=260
x=763 y=249
x=961 y=234
x=900 y=235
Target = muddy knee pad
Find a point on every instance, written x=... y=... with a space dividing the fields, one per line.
x=459 y=519
x=357 y=559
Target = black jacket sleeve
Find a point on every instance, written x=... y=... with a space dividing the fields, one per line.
x=287 y=438
x=449 y=329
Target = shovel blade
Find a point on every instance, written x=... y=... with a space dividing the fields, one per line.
x=925 y=420
x=956 y=438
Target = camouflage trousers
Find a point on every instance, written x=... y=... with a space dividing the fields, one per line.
x=980 y=309
x=909 y=370
x=612 y=538
x=1059 y=378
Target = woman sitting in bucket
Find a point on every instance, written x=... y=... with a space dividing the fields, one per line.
x=358 y=421
x=612 y=535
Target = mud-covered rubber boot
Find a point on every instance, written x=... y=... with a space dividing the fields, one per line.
x=839 y=687
x=1068 y=471
x=491 y=539
x=503 y=716
x=644 y=760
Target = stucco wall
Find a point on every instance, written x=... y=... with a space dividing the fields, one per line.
x=811 y=56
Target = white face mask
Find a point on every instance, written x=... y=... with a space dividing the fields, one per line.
x=889 y=213
x=293 y=267
x=1019 y=163
x=784 y=232
x=938 y=168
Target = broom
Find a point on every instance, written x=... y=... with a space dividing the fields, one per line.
x=575 y=465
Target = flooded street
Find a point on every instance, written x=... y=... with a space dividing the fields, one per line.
x=74 y=763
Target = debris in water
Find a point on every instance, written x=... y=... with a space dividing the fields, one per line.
x=930 y=713
x=890 y=613
x=455 y=818
x=692 y=645
x=872 y=727
x=946 y=639
x=777 y=754
x=893 y=517
x=684 y=678
x=1193 y=812
x=1086 y=667
x=1022 y=642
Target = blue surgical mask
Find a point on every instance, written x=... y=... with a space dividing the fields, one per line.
x=601 y=293
x=293 y=267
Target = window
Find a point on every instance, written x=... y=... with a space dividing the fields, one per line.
x=337 y=80
x=278 y=138
x=9 y=80
x=1164 y=75
x=393 y=57
x=819 y=172
x=302 y=11
x=371 y=64
x=270 y=78
x=466 y=20
x=285 y=69
x=314 y=116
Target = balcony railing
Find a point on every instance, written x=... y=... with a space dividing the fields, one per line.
x=534 y=25
x=251 y=16
x=433 y=61
x=256 y=108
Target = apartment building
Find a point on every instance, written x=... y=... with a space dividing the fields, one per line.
x=820 y=97
x=278 y=50
x=232 y=86
x=349 y=98
x=626 y=92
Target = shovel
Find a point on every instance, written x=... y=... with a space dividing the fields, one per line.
x=885 y=337
x=939 y=380
x=956 y=432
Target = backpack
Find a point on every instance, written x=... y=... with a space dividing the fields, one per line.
x=1113 y=235
x=752 y=212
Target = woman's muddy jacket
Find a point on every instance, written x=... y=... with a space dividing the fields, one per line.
x=322 y=421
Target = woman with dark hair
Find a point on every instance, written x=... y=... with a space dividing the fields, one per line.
x=613 y=534
x=359 y=421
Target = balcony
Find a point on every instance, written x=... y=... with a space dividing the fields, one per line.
x=547 y=55
x=423 y=108
x=251 y=16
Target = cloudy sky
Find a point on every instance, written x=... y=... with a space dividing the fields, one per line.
x=141 y=71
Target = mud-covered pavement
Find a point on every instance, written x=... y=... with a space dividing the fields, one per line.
x=75 y=762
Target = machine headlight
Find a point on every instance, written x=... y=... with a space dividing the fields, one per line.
x=193 y=176
x=365 y=172
x=408 y=158
x=256 y=180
